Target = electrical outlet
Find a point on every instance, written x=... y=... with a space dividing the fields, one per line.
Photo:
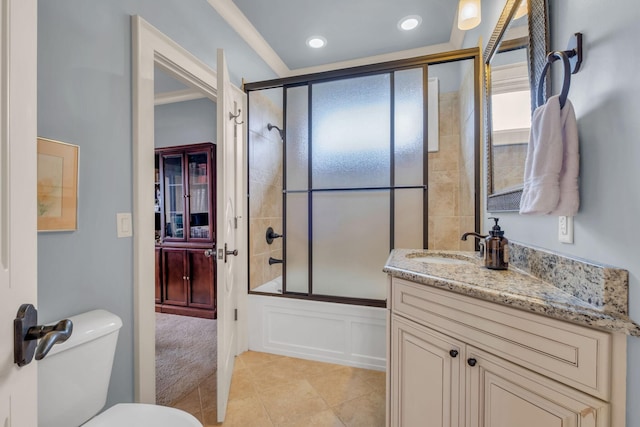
x=565 y=229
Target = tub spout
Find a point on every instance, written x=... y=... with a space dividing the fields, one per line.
x=273 y=260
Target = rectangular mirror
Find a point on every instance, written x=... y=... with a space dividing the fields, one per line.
x=514 y=59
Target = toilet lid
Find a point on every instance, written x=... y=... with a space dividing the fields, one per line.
x=140 y=414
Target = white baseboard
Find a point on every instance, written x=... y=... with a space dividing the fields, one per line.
x=345 y=334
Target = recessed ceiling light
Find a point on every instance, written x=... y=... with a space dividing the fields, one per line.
x=316 y=42
x=409 y=22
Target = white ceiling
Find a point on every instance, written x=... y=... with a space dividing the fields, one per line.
x=357 y=31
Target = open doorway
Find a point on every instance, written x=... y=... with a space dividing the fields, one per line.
x=151 y=48
x=185 y=276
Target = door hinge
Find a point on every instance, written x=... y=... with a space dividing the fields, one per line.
x=235 y=314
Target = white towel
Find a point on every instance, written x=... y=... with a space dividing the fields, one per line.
x=551 y=167
x=569 y=195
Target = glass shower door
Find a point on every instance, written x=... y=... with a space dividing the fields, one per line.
x=350 y=144
x=351 y=179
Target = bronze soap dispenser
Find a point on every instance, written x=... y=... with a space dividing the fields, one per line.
x=496 y=249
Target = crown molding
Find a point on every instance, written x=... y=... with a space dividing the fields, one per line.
x=177 y=96
x=393 y=56
x=457 y=35
x=239 y=22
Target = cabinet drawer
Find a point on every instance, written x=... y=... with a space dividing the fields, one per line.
x=571 y=354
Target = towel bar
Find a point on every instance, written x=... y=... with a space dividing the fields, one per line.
x=571 y=59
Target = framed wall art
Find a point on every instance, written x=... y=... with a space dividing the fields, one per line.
x=57 y=185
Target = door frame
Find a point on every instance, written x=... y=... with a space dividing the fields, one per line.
x=151 y=48
x=18 y=212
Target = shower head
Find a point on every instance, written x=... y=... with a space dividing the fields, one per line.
x=280 y=131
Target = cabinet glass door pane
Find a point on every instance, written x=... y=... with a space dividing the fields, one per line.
x=199 y=193
x=158 y=200
x=174 y=197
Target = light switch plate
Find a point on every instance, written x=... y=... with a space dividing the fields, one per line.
x=565 y=229
x=124 y=228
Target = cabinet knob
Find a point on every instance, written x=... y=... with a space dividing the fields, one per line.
x=471 y=361
x=184 y=277
x=453 y=353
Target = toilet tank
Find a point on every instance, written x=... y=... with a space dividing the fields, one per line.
x=73 y=378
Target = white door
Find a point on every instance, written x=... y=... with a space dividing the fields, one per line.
x=18 y=221
x=226 y=234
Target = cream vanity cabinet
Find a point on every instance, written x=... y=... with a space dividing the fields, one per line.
x=458 y=361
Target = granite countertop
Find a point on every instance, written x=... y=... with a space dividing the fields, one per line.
x=517 y=288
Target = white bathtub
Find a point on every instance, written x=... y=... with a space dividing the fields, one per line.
x=272 y=287
x=346 y=334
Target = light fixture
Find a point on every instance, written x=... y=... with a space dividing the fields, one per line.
x=522 y=9
x=409 y=22
x=469 y=14
x=316 y=42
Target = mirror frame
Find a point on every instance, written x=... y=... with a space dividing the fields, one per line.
x=538 y=21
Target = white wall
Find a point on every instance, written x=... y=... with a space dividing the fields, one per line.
x=606 y=97
x=84 y=97
x=183 y=123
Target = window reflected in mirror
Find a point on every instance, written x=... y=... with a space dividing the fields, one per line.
x=511 y=120
x=514 y=57
x=510 y=105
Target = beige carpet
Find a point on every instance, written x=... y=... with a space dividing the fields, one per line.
x=185 y=354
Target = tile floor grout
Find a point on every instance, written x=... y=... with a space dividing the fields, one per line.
x=354 y=397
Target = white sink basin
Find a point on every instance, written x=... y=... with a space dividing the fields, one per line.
x=440 y=258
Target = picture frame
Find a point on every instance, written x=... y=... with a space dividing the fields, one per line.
x=57 y=185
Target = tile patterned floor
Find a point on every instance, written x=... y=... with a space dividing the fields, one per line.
x=272 y=391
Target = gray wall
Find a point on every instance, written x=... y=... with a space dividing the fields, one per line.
x=84 y=98
x=606 y=98
x=183 y=123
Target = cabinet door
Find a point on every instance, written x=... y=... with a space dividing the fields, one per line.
x=200 y=279
x=502 y=394
x=200 y=195
x=426 y=377
x=158 y=275
x=174 y=277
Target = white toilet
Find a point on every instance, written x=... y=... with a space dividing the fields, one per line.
x=74 y=377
